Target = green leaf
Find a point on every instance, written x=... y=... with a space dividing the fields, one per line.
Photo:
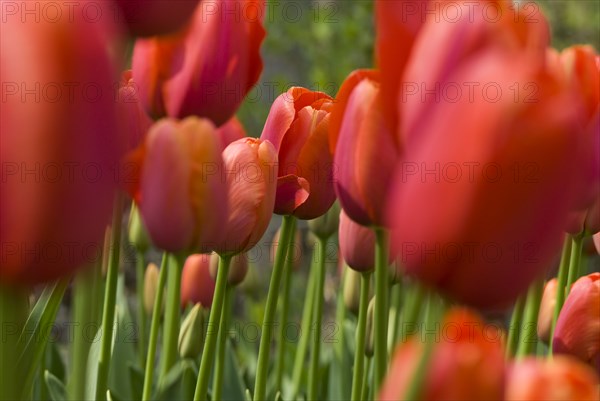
x=136 y=376
x=248 y=395
x=233 y=386
x=34 y=337
x=56 y=388
x=179 y=383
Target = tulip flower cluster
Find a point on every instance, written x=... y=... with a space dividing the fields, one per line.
x=448 y=173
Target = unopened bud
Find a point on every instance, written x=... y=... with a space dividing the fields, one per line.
x=138 y=235
x=326 y=225
x=150 y=287
x=352 y=290
x=238 y=268
x=191 y=335
x=370 y=335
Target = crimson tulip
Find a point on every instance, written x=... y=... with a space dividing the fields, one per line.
x=205 y=69
x=155 y=17
x=251 y=173
x=180 y=193
x=60 y=143
x=197 y=285
x=577 y=329
x=297 y=126
x=466 y=362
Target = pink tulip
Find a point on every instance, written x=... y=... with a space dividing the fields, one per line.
x=366 y=148
x=197 y=285
x=60 y=142
x=134 y=118
x=230 y=132
x=297 y=126
x=547 y=305
x=180 y=193
x=578 y=327
x=205 y=69
x=558 y=379
x=466 y=363
x=155 y=17
x=251 y=174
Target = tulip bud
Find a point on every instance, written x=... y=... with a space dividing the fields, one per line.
x=546 y=313
x=150 y=287
x=156 y=17
x=138 y=235
x=366 y=148
x=297 y=126
x=295 y=252
x=559 y=378
x=197 y=286
x=466 y=362
x=237 y=269
x=230 y=132
x=326 y=225
x=370 y=329
x=182 y=204
x=191 y=335
x=351 y=290
x=188 y=73
x=250 y=165
x=577 y=329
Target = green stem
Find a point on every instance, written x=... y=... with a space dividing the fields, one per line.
x=313 y=382
x=14 y=309
x=172 y=314
x=528 y=339
x=217 y=387
x=110 y=298
x=281 y=344
x=141 y=312
x=575 y=263
x=154 y=326
x=514 y=330
x=381 y=306
x=359 y=355
x=364 y=395
x=563 y=275
x=306 y=318
x=214 y=320
x=410 y=313
x=288 y=228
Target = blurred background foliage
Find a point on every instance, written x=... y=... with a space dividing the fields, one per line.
x=316 y=44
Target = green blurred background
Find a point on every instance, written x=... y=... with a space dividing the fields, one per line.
x=317 y=43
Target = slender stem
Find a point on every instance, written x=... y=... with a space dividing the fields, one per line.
x=214 y=320
x=514 y=330
x=340 y=345
x=110 y=298
x=306 y=318
x=288 y=228
x=217 y=387
x=563 y=274
x=528 y=339
x=359 y=355
x=154 y=326
x=172 y=315
x=141 y=312
x=318 y=315
x=364 y=394
x=381 y=306
x=281 y=344
x=575 y=263
x=410 y=313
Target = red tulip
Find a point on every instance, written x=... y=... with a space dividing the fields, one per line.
x=251 y=168
x=366 y=148
x=297 y=126
x=180 y=193
x=230 y=132
x=556 y=379
x=481 y=214
x=205 y=69
x=197 y=285
x=136 y=122
x=547 y=305
x=155 y=17
x=578 y=326
x=467 y=362
x=60 y=143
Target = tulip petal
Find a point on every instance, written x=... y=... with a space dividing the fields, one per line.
x=292 y=191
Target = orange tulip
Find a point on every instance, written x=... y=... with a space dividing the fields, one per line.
x=156 y=17
x=180 y=192
x=60 y=143
x=547 y=306
x=467 y=362
x=366 y=148
x=556 y=379
x=578 y=326
x=251 y=169
x=297 y=126
x=205 y=69
x=197 y=285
